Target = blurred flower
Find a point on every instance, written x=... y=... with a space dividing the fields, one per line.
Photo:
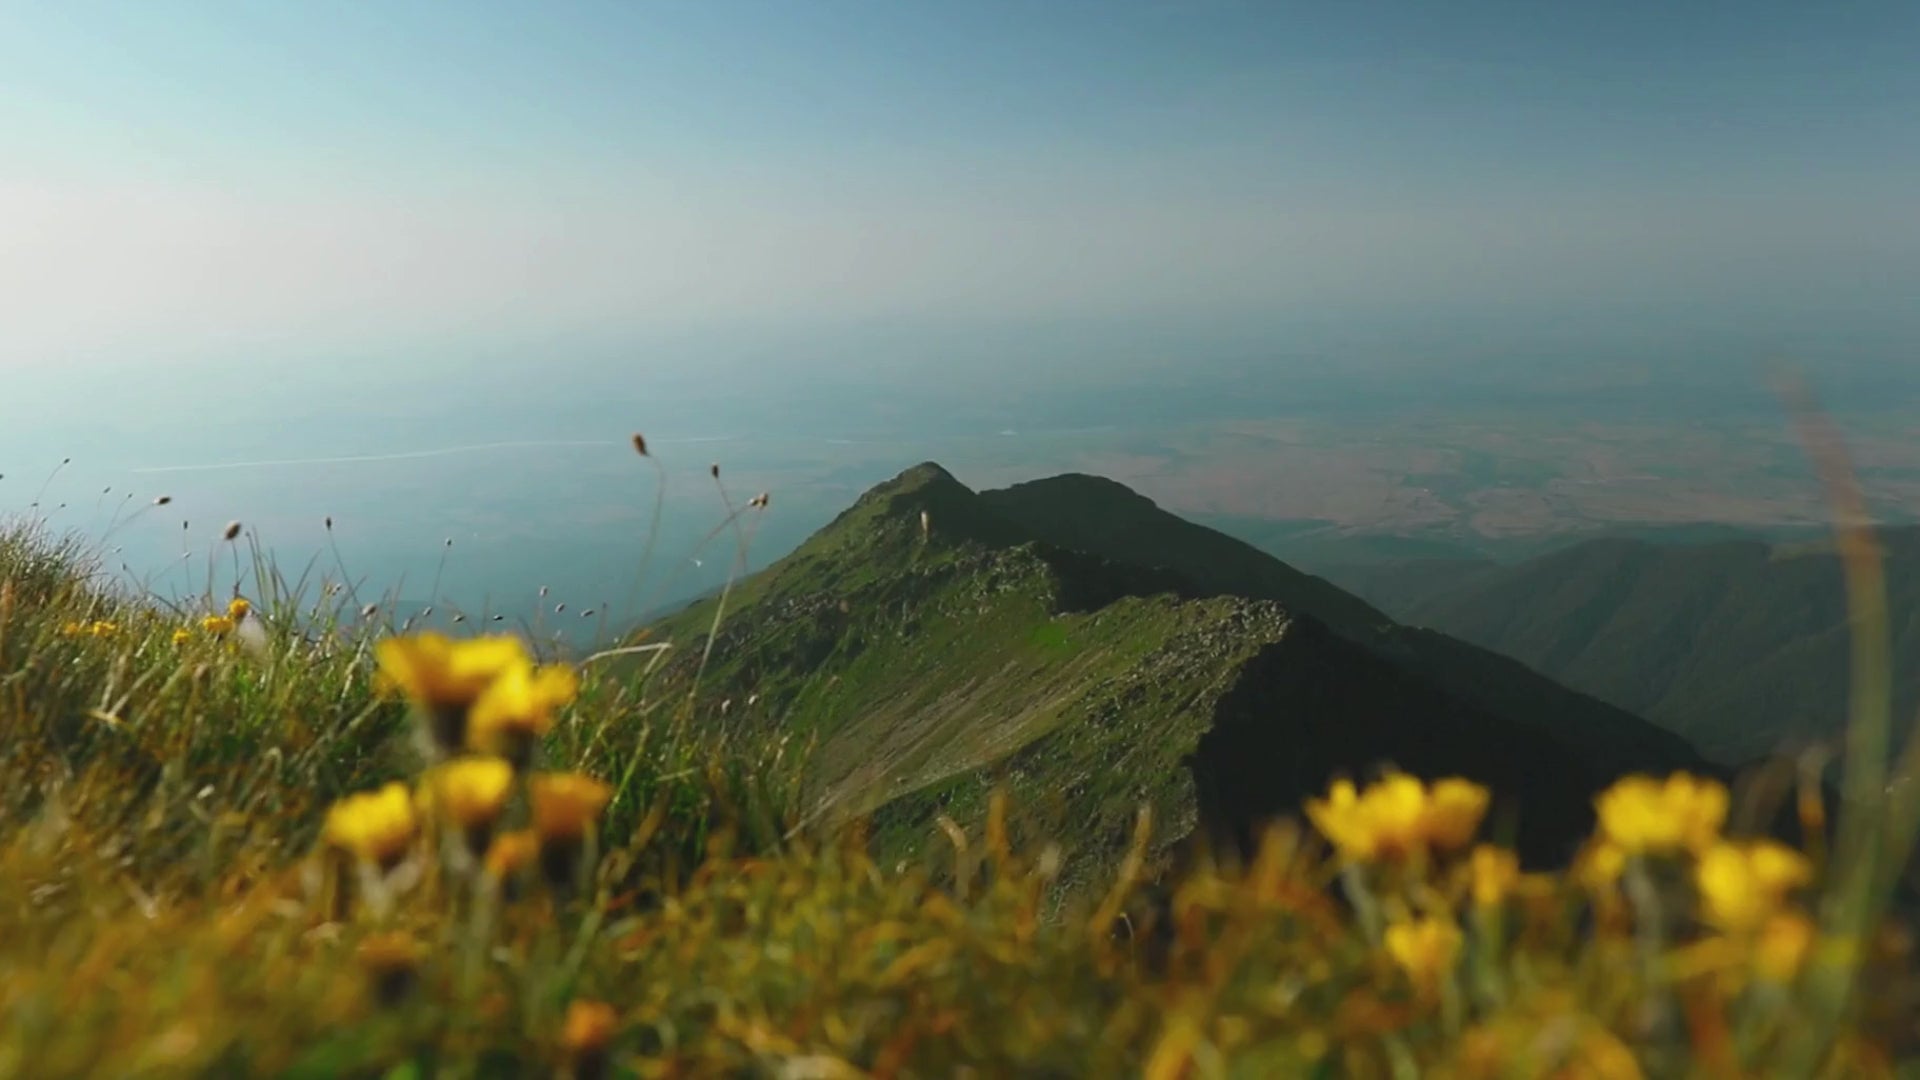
x=377 y=826
x=1398 y=816
x=510 y=854
x=471 y=792
x=443 y=677
x=1453 y=811
x=566 y=804
x=1782 y=946
x=1642 y=815
x=182 y=636
x=1425 y=949
x=217 y=625
x=1600 y=865
x=589 y=1028
x=237 y=608
x=517 y=709
x=1494 y=872
x=1741 y=884
x=103 y=628
x=70 y=628
x=564 y=808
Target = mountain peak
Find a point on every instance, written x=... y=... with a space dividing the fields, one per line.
x=925 y=474
x=1078 y=485
x=924 y=501
x=1108 y=518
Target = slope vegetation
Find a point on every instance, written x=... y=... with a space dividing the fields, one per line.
x=934 y=642
x=1741 y=647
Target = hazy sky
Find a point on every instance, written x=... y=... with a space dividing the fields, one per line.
x=187 y=182
x=235 y=234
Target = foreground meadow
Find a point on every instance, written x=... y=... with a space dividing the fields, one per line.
x=264 y=836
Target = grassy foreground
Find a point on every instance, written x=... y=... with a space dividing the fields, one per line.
x=233 y=847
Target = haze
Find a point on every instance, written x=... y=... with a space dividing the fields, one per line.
x=246 y=236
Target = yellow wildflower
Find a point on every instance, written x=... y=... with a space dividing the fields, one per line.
x=1494 y=872
x=517 y=709
x=1425 y=949
x=511 y=853
x=1783 y=945
x=564 y=808
x=1454 y=809
x=378 y=826
x=182 y=636
x=71 y=628
x=433 y=669
x=1398 y=816
x=217 y=625
x=471 y=792
x=237 y=608
x=1741 y=884
x=1642 y=815
x=565 y=804
x=444 y=677
x=589 y=1028
x=103 y=628
x=1600 y=865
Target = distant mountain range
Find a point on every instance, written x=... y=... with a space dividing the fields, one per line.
x=1072 y=641
x=1741 y=646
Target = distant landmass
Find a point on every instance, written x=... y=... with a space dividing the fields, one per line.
x=1741 y=646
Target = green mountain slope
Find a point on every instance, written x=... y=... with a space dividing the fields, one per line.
x=1741 y=646
x=931 y=644
x=1108 y=519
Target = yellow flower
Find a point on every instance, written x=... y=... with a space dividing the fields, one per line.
x=1741 y=884
x=1453 y=812
x=1642 y=815
x=71 y=628
x=510 y=853
x=433 y=669
x=1397 y=816
x=1782 y=946
x=237 y=608
x=1601 y=864
x=1495 y=871
x=444 y=677
x=565 y=804
x=103 y=628
x=1425 y=949
x=217 y=625
x=182 y=636
x=1339 y=820
x=378 y=826
x=589 y=1027
x=517 y=709
x=471 y=792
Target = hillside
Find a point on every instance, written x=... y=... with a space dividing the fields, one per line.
x=261 y=836
x=1127 y=526
x=1739 y=646
x=985 y=641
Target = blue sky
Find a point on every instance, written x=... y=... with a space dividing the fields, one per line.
x=235 y=233
x=187 y=182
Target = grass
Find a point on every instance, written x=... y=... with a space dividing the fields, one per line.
x=173 y=907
